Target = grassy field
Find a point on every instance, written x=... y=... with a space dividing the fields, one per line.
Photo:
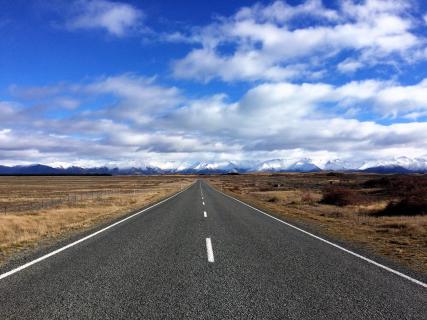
x=385 y=214
x=36 y=210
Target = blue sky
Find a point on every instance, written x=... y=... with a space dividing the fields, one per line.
x=131 y=82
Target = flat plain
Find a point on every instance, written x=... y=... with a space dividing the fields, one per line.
x=37 y=210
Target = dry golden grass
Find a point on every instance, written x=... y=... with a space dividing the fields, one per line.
x=296 y=197
x=100 y=199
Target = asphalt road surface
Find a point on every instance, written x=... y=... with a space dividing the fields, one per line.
x=203 y=255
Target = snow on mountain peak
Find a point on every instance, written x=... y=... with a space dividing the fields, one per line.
x=399 y=164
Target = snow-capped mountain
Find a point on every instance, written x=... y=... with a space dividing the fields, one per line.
x=216 y=166
x=290 y=165
x=400 y=165
x=341 y=165
x=411 y=164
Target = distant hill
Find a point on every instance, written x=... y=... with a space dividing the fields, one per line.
x=388 y=169
x=398 y=165
x=39 y=169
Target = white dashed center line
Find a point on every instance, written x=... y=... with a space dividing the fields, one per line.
x=203 y=203
x=205 y=214
x=209 y=250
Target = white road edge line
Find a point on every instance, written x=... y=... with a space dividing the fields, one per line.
x=50 y=254
x=205 y=214
x=400 y=274
x=209 y=250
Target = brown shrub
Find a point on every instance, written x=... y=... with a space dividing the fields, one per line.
x=341 y=196
x=273 y=199
x=400 y=185
x=307 y=197
x=414 y=205
x=411 y=190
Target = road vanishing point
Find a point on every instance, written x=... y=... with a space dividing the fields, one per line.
x=201 y=254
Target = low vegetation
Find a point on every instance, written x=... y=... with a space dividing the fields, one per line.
x=386 y=214
x=341 y=196
x=36 y=210
x=413 y=205
x=409 y=193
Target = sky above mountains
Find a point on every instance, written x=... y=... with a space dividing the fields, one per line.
x=126 y=82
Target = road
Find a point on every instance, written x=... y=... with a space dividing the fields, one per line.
x=207 y=258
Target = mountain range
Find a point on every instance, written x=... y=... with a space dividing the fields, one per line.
x=396 y=165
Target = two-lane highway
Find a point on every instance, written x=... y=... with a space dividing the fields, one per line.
x=203 y=255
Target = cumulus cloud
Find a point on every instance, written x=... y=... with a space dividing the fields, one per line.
x=263 y=42
x=386 y=98
x=285 y=52
x=122 y=126
x=139 y=98
x=282 y=12
x=349 y=65
x=284 y=116
x=117 y=18
x=269 y=120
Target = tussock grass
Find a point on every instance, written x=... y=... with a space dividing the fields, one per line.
x=22 y=230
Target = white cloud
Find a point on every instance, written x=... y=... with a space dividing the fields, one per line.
x=270 y=120
x=139 y=98
x=349 y=65
x=66 y=103
x=386 y=98
x=117 y=18
x=281 y=12
x=401 y=99
x=263 y=43
x=204 y=64
x=286 y=116
x=129 y=119
x=369 y=9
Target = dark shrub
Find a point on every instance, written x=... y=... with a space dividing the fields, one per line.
x=340 y=196
x=411 y=190
x=408 y=206
x=400 y=185
x=383 y=182
x=266 y=188
x=334 y=174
